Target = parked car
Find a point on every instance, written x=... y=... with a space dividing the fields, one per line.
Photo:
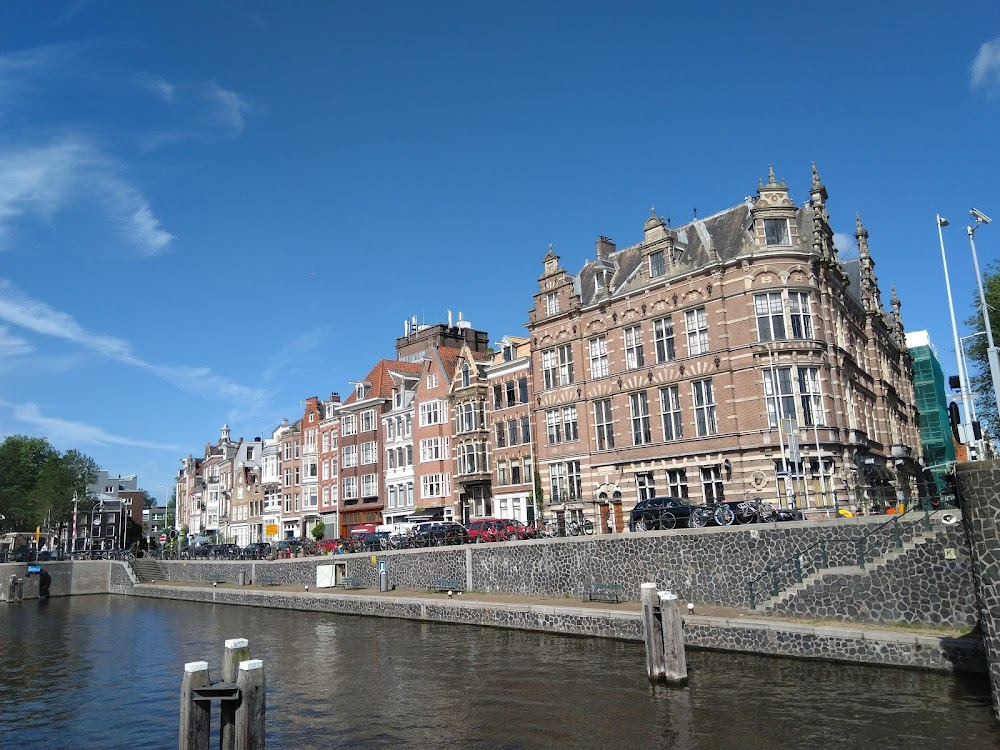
x=202 y=550
x=434 y=533
x=327 y=545
x=230 y=551
x=516 y=529
x=488 y=530
x=660 y=513
x=375 y=541
x=257 y=549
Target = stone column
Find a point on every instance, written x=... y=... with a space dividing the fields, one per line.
x=979 y=499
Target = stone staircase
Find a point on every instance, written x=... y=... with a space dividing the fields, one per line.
x=147 y=570
x=789 y=593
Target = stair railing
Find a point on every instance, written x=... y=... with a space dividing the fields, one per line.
x=816 y=556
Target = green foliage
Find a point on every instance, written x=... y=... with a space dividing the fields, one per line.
x=37 y=483
x=538 y=494
x=318 y=530
x=980 y=379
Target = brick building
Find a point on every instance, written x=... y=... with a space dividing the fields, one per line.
x=735 y=355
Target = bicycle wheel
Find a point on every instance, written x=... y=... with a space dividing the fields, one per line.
x=724 y=515
x=766 y=513
x=667 y=521
x=588 y=528
x=699 y=518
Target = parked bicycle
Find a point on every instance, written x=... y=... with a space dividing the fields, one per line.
x=578 y=528
x=750 y=511
x=718 y=513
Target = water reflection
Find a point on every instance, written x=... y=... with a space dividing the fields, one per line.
x=105 y=672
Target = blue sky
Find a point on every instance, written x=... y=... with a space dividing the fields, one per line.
x=212 y=211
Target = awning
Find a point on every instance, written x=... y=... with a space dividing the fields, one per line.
x=427 y=514
x=879 y=472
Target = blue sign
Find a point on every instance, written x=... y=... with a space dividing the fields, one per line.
x=34 y=569
x=381 y=566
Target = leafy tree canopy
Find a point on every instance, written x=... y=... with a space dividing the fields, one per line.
x=980 y=379
x=37 y=482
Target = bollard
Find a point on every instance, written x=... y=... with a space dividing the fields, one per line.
x=20 y=589
x=243 y=579
x=251 y=710
x=12 y=589
x=674 y=658
x=651 y=632
x=196 y=716
x=237 y=651
x=664 y=636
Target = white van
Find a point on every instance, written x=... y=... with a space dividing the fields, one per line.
x=396 y=529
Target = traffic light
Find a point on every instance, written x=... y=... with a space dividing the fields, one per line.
x=954 y=382
x=955 y=419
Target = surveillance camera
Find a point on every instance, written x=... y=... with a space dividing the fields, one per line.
x=980 y=216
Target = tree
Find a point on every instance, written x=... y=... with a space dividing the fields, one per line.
x=148 y=501
x=37 y=483
x=318 y=530
x=981 y=382
x=537 y=495
x=21 y=461
x=171 y=510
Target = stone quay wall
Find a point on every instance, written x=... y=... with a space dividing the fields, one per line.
x=775 y=638
x=929 y=582
x=979 y=495
x=68 y=578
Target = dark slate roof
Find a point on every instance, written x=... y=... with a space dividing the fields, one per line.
x=852 y=269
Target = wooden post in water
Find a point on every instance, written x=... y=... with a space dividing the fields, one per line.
x=196 y=716
x=674 y=659
x=237 y=650
x=250 y=712
x=652 y=631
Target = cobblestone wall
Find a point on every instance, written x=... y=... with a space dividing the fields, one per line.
x=709 y=566
x=760 y=637
x=979 y=491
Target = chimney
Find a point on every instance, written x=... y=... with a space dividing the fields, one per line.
x=335 y=397
x=605 y=246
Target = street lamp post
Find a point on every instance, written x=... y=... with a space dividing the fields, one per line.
x=943 y=222
x=991 y=351
x=967 y=390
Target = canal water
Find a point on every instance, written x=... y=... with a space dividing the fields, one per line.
x=104 y=672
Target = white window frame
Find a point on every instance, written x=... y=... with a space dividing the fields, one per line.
x=705 y=417
x=642 y=433
x=431 y=412
x=348 y=424
x=663 y=340
x=604 y=425
x=696 y=330
x=598 y=347
x=633 y=348
x=656 y=265
x=670 y=411
x=777 y=232
x=552 y=303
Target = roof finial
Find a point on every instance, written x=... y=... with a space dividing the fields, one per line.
x=770 y=175
x=652 y=210
x=816 y=182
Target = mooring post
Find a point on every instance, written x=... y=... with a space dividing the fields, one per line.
x=237 y=650
x=196 y=716
x=674 y=659
x=652 y=631
x=251 y=709
x=12 y=589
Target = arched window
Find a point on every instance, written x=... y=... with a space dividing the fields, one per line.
x=466 y=378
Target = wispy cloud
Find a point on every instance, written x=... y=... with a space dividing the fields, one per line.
x=200 y=111
x=986 y=68
x=42 y=179
x=77 y=433
x=842 y=242
x=12 y=345
x=19 y=69
x=18 y=309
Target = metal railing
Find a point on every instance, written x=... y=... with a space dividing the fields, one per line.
x=817 y=556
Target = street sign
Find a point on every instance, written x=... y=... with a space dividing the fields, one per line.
x=163 y=538
x=381 y=567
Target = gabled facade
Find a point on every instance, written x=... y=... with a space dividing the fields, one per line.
x=362 y=483
x=329 y=478
x=290 y=466
x=736 y=355
x=472 y=491
x=432 y=435
x=508 y=379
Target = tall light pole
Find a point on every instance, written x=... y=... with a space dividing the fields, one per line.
x=943 y=222
x=991 y=351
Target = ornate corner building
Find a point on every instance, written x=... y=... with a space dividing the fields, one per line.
x=735 y=355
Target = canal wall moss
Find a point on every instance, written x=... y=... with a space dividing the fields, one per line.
x=916 y=571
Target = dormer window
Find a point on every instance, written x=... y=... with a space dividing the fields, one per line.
x=508 y=353
x=359 y=390
x=656 y=264
x=776 y=232
x=466 y=376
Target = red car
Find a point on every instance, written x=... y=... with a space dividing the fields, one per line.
x=327 y=545
x=488 y=530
